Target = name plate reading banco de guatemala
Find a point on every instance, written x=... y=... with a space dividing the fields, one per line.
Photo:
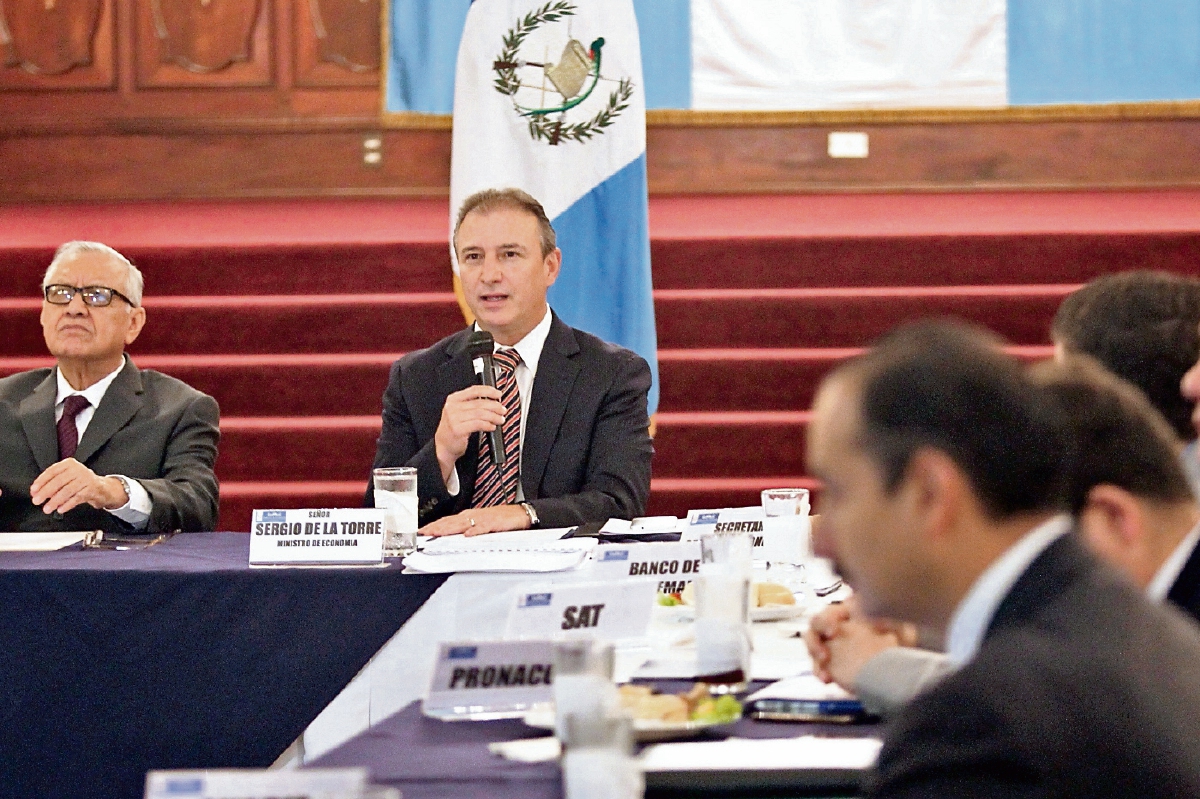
x=607 y=610
x=672 y=564
x=316 y=536
x=489 y=679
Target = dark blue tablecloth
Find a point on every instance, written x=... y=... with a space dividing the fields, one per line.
x=178 y=656
x=431 y=759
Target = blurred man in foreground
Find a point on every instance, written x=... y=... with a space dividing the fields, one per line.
x=571 y=406
x=96 y=443
x=1133 y=506
x=943 y=468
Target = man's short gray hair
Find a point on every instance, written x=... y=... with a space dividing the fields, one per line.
x=134 y=283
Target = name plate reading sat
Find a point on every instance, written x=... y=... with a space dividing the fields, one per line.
x=606 y=610
x=316 y=536
x=478 y=680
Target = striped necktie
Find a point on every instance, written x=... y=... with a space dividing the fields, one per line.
x=68 y=433
x=499 y=486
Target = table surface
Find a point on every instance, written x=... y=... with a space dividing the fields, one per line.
x=428 y=758
x=176 y=656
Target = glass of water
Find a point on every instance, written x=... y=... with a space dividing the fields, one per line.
x=396 y=494
x=791 y=507
x=723 y=611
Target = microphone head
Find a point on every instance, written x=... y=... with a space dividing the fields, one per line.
x=480 y=344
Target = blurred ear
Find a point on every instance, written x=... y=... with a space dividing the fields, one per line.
x=1112 y=525
x=935 y=491
x=1117 y=513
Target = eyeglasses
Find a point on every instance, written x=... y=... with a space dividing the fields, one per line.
x=95 y=296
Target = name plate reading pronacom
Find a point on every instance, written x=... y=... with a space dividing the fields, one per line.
x=233 y=783
x=781 y=539
x=314 y=536
x=489 y=679
x=610 y=610
x=672 y=565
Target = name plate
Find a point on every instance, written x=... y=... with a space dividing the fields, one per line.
x=608 y=610
x=780 y=539
x=332 y=535
x=490 y=679
x=317 y=783
x=672 y=564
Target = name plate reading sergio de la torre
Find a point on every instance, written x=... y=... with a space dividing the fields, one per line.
x=316 y=536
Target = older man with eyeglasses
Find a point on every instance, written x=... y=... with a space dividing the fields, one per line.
x=96 y=443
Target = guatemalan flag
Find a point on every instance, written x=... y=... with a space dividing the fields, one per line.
x=549 y=98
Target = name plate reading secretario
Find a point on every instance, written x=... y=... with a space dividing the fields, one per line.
x=608 y=610
x=315 y=536
x=316 y=783
x=671 y=564
x=782 y=539
x=489 y=679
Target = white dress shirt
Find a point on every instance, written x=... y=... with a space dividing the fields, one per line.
x=974 y=613
x=530 y=350
x=136 y=511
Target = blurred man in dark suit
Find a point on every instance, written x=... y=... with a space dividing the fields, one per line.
x=1132 y=503
x=944 y=480
x=96 y=443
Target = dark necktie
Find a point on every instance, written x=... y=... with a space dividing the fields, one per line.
x=68 y=433
x=499 y=486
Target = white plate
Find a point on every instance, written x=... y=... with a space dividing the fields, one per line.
x=766 y=613
x=644 y=730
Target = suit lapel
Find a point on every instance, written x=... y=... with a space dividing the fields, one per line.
x=37 y=419
x=1063 y=562
x=556 y=373
x=455 y=374
x=122 y=400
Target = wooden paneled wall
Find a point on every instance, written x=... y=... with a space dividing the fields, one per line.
x=152 y=99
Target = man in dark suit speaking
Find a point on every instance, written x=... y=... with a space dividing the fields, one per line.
x=572 y=407
x=95 y=443
x=943 y=470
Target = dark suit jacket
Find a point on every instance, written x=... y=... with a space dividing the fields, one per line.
x=1081 y=688
x=1185 y=592
x=149 y=427
x=586 y=454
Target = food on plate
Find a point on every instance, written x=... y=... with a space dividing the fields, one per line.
x=695 y=705
x=762 y=595
x=765 y=594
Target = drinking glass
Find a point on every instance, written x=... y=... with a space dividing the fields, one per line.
x=723 y=611
x=396 y=494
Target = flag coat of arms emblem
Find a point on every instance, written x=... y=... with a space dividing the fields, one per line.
x=549 y=98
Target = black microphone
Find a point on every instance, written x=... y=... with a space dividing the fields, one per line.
x=480 y=346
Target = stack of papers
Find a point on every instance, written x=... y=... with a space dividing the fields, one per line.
x=38 y=542
x=518 y=551
x=739 y=754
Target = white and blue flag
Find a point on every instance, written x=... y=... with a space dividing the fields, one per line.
x=740 y=55
x=549 y=98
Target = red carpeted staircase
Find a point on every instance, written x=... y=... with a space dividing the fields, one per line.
x=290 y=313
